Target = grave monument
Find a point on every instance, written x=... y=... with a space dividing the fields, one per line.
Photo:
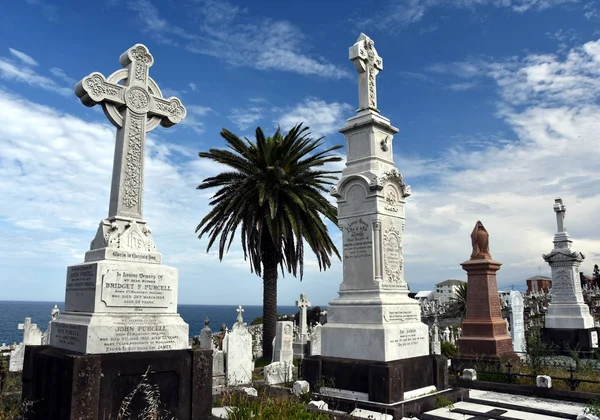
x=374 y=345
x=120 y=315
x=484 y=333
x=568 y=321
x=516 y=310
x=302 y=338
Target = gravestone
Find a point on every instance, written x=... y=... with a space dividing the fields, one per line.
x=120 y=320
x=484 y=335
x=315 y=340
x=32 y=336
x=206 y=336
x=53 y=315
x=302 y=304
x=282 y=346
x=568 y=319
x=517 y=323
x=239 y=353
x=373 y=328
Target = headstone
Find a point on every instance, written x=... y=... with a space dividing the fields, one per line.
x=484 y=331
x=300 y=387
x=206 y=336
x=239 y=353
x=361 y=413
x=447 y=334
x=436 y=345
x=278 y=373
x=315 y=340
x=32 y=336
x=252 y=392
x=470 y=374
x=282 y=346
x=53 y=315
x=567 y=309
x=373 y=318
x=122 y=298
x=303 y=304
x=517 y=323
x=543 y=381
x=319 y=405
x=594 y=336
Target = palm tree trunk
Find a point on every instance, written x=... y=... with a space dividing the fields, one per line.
x=269 y=306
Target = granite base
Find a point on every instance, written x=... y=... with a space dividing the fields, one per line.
x=64 y=385
x=571 y=339
x=381 y=382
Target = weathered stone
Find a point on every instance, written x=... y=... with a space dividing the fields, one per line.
x=250 y=391
x=319 y=404
x=543 y=381
x=300 y=387
x=368 y=414
x=469 y=374
x=239 y=353
x=278 y=373
x=283 y=342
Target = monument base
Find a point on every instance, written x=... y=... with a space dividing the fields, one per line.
x=373 y=381
x=583 y=340
x=569 y=316
x=64 y=385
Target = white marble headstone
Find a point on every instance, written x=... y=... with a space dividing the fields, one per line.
x=315 y=340
x=32 y=336
x=239 y=353
x=206 y=336
x=283 y=345
x=517 y=323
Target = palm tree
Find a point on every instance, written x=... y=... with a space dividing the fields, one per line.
x=273 y=194
x=461 y=299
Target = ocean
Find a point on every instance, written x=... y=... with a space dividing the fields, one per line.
x=12 y=313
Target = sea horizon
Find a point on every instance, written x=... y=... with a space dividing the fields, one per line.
x=14 y=312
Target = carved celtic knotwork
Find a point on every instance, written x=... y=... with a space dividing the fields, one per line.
x=133 y=173
x=138 y=100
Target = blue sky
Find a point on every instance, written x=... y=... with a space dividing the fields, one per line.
x=496 y=101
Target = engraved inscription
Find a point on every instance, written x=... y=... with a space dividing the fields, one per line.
x=408 y=337
x=401 y=313
x=357 y=240
x=81 y=278
x=136 y=289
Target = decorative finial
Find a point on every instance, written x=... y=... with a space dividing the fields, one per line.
x=560 y=210
x=206 y=322
x=240 y=311
x=480 y=239
x=368 y=64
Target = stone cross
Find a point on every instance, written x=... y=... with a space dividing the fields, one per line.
x=28 y=330
x=560 y=210
x=240 y=311
x=368 y=64
x=133 y=102
x=303 y=303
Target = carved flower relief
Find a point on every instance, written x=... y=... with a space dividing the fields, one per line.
x=392 y=254
x=391 y=199
x=138 y=100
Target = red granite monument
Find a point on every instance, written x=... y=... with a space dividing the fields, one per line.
x=484 y=332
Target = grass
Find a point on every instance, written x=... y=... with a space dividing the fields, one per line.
x=263 y=407
x=11 y=407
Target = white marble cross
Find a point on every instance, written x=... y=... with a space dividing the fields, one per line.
x=133 y=102
x=560 y=210
x=303 y=303
x=240 y=311
x=27 y=328
x=369 y=64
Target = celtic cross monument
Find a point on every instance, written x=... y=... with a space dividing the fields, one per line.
x=122 y=299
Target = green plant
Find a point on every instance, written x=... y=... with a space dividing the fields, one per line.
x=242 y=407
x=593 y=408
x=272 y=191
x=150 y=396
x=448 y=349
x=441 y=401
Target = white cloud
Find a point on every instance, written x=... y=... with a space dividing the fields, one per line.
x=57 y=72
x=228 y=32
x=23 y=73
x=401 y=13
x=193 y=86
x=322 y=117
x=23 y=57
x=510 y=182
x=461 y=87
x=246 y=117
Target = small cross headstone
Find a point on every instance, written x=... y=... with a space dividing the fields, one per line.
x=368 y=64
x=303 y=303
x=240 y=312
x=239 y=353
x=560 y=209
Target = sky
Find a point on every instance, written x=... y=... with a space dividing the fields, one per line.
x=497 y=102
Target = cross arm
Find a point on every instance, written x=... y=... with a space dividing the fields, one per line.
x=170 y=109
x=359 y=57
x=94 y=89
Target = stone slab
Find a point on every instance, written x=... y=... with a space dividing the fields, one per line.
x=68 y=386
x=119 y=333
x=111 y=286
x=384 y=382
x=123 y=255
x=570 y=339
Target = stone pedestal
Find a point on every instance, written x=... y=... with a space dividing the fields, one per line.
x=380 y=382
x=484 y=333
x=69 y=386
